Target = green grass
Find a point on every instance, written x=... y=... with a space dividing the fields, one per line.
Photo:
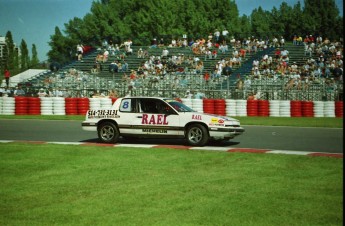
x=265 y=121
x=47 y=184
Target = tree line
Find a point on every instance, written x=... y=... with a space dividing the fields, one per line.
x=17 y=58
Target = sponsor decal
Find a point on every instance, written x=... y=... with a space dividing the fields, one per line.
x=154 y=120
x=155 y=131
x=216 y=124
x=221 y=121
x=197 y=117
x=214 y=120
x=103 y=114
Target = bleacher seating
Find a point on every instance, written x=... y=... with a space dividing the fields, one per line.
x=217 y=88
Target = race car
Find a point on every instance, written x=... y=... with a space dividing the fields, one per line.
x=156 y=117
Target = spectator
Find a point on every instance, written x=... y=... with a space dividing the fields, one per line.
x=124 y=66
x=42 y=93
x=189 y=95
x=165 y=53
x=7 y=75
x=225 y=34
x=113 y=93
x=79 y=52
x=140 y=53
x=154 y=43
x=216 y=36
x=105 y=56
x=161 y=42
x=199 y=95
x=113 y=67
x=19 y=91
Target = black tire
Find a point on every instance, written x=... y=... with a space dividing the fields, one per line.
x=108 y=132
x=197 y=135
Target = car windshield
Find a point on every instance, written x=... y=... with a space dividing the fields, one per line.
x=178 y=106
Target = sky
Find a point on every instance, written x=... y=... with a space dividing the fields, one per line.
x=35 y=20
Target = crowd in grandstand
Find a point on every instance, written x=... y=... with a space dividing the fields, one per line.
x=322 y=62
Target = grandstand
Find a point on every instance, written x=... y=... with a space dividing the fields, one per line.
x=85 y=82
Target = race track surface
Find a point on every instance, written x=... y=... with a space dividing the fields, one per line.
x=265 y=138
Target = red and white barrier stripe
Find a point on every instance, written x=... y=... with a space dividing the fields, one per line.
x=229 y=107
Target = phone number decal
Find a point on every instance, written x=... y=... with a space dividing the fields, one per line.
x=103 y=114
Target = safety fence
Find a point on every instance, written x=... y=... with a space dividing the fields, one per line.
x=228 y=107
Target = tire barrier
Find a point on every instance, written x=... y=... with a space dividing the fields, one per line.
x=307 y=109
x=71 y=106
x=338 y=109
x=219 y=107
x=197 y=105
x=21 y=105
x=318 y=108
x=228 y=107
x=8 y=106
x=329 y=109
x=59 y=106
x=105 y=103
x=274 y=106
x=95 y=103
x=241 y=107
x=83 y=105
x=46 y=106
x=252 y=108
x=296 y=108
x=208 y=106
x=284 y=108
x=34 y=106
x=263 y=108
x=113 y=99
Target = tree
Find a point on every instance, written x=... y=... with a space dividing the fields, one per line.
x=34 y=59
x=10 y=51
x=260 y=22
x=24 y=56
x=322 y=16
x=60 y=52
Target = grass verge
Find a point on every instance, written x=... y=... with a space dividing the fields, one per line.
x=47 y=184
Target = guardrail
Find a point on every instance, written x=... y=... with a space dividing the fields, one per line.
x=228 y=107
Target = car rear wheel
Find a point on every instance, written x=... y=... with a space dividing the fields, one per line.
x=108 y=132
x=197 y=135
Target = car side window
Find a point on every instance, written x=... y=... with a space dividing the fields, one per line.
x=148 y=106
x=155 y=107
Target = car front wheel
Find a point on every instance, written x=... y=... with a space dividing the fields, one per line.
x=197 y=135
x=108 y=132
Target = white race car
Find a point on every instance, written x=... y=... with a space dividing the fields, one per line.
x=154 y=117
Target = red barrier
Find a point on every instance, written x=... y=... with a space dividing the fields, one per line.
x=296 y=108
x=252 y=107
x=208 y=106
x=219 y=107
x=21 y=105
x=264 y=108
x=339 y=109
x=113 y=99
x=34 y=105
x=307 y=109
x=83 y=105
x=71 y=106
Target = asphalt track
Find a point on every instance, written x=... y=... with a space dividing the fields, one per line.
x=324 y=140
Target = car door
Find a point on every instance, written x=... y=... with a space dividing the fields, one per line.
x=155 y=118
